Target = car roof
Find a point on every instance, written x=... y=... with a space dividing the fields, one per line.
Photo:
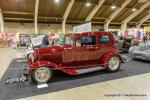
x=89 y=33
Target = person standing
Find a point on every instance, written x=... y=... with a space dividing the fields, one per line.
x=145 y=37
x=45 y=41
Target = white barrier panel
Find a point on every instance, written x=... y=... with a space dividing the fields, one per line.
x=37 y=40
x=82 y=28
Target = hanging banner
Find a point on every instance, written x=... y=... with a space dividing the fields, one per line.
x=82 y=28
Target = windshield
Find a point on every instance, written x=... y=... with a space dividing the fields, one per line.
x=65 y=40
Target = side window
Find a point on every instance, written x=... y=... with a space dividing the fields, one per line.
x=68 y=40
x=104 y=39
x=86 y=40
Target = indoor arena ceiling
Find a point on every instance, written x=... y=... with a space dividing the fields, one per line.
x=50 y=11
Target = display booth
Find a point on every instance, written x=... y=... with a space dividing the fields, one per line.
x=7 y=39
x=23 y=40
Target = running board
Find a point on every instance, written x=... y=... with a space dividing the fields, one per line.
x=88 y=70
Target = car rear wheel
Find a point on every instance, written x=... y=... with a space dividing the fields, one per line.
x=42 y=74
x=113 y=64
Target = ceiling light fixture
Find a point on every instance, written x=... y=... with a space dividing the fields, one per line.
x=88 y=4
x=113 y=7
x=57 y=1
x=134 y=9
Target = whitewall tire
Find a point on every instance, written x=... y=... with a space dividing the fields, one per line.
x=42 y=74
x=113 y=64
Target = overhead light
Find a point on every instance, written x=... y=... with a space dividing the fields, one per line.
x=57 y=1
x=134 y=9
x=113 y=7
x=88 y=4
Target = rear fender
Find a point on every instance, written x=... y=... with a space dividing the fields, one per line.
x=106 y=56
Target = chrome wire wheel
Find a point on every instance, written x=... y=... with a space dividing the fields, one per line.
x=42 y=75
x=114 y=63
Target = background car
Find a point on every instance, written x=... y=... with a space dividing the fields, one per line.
x=36 y=42
x=141 y=52
x=123 y=43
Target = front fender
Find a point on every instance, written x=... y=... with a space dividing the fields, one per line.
x=42 y=63
x=51 y=65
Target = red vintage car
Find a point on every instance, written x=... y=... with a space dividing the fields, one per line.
x=76 y=54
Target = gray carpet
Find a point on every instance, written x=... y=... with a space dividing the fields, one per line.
x=63 y=81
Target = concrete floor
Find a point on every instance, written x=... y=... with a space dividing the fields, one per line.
x=128 y=88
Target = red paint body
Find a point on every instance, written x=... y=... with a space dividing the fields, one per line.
x=69 y=58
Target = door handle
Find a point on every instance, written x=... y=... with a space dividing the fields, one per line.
x=93 y=48
x=67 y=48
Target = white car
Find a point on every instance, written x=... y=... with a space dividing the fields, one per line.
x=29 y=51
x=37 y=42
x=141 y=52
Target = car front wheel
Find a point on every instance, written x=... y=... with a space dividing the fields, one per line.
x=42 y=74
x=113 y=64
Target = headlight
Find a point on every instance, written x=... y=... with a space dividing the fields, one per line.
x=32 y=57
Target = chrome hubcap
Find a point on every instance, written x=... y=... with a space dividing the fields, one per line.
x=113 y=63
x=42 y=74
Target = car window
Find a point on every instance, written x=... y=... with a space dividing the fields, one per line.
x=86 y=40
x=65 y=40
x=68 y=40
x=104 y=39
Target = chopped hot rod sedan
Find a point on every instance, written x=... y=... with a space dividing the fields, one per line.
x=76 y=54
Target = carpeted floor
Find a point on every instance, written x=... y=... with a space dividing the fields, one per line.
x=63 y=81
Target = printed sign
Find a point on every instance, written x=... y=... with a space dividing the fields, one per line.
x=37 y=40
x=16 y=80
x=82 y=28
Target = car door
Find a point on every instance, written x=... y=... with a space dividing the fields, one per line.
x=86 y=50
x=105 y=44
x=68 y=55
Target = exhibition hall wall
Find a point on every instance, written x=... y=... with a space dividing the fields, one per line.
x=12 y=27
x=29 y=28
